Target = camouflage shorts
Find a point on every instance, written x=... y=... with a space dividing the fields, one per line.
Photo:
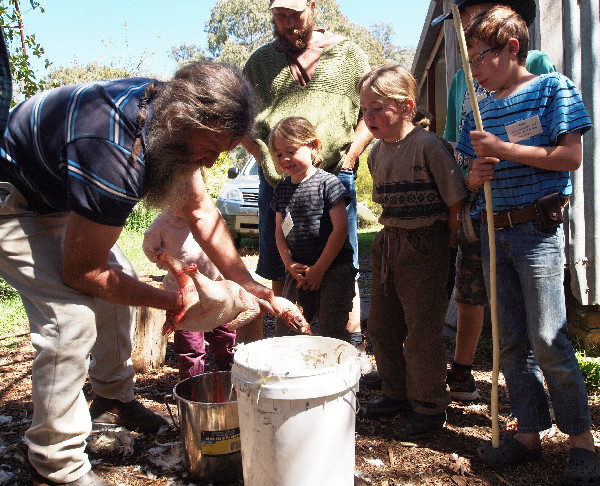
x=470 y=285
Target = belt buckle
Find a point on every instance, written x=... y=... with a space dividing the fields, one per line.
x=510 y=224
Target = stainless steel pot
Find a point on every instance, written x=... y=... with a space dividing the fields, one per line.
x=209 y=426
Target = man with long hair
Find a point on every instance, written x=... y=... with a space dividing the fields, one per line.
x=75 y=161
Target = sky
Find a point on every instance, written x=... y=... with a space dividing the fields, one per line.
x=124 y=31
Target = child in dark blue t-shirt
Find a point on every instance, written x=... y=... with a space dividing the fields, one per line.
x=311 y=230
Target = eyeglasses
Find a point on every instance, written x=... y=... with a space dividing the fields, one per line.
x=478 y=58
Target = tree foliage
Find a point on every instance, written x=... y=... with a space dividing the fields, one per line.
x=329 y=16
x=237 y=27
x=404 y=56
x=21 y=46
x=82 y=74
x=186 y=53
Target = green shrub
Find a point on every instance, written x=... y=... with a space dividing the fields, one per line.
x=6 y=291
x=364 y=182
x=590 y=369
x=364 y=185
x=140 y=218
x=216 y=176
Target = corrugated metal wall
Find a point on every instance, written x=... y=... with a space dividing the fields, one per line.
x=580 y=62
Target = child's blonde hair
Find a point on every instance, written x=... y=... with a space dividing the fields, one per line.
x=391 y=81
x=295 y=130
x=495 y=27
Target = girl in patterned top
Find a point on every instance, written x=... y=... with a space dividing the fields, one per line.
x=419 y=186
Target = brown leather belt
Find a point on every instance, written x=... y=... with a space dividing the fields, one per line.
x=508 y=219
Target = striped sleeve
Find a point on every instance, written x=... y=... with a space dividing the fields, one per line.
x=566 y=112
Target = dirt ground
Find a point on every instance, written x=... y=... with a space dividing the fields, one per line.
x=127 y=458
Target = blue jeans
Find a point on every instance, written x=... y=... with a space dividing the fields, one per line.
x=532 y=317
x=270 y=265
x=347 y=179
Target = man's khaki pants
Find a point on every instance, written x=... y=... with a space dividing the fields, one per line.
x=64 y=324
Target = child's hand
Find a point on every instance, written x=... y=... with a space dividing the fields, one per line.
x=486 y=144
x=314 y=277
x=298 y=271
x=453 y=242
x=482 y=170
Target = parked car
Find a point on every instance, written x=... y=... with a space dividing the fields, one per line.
x=238 y=201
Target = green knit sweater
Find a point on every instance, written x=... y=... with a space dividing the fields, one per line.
x=329 y=100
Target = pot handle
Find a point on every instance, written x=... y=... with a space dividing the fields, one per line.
x=169 y=400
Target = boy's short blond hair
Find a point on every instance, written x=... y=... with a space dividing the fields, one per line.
x=295 y=130
x=391 y=81
x=496 y=26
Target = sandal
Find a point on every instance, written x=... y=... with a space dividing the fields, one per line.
x=583 y=468
x=510 y=452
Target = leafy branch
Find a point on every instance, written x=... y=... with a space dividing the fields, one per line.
x=19 y=43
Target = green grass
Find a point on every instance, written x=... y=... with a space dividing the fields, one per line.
x=130 y=241
x=249 y=244
x=14 y=319
x=366 y=237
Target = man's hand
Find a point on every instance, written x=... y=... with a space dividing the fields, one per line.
x=349 y=163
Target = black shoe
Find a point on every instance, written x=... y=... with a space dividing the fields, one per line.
x=386 y=406
x=583 y=467
x=417 y=425
x=462 y=390
x=372 y=380
x=111 y=413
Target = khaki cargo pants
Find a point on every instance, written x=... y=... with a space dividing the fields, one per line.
x=64 y=324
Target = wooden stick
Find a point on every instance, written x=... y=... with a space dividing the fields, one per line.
x=491 y=233
x=14 y=334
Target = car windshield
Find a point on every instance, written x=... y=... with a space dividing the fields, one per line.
x=251 y=167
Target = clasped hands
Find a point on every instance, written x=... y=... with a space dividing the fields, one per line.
x=308 y=277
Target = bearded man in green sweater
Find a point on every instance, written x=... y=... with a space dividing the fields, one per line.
x=311 y=73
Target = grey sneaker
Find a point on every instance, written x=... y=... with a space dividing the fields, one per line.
x=462 y=390
x=366 y=366
x=89 y=479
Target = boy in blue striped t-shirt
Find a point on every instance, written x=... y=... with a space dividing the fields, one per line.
x=532 y=140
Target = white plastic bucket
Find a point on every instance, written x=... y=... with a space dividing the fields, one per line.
x=297 y=406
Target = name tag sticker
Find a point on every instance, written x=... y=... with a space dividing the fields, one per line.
x=524 y=129
x=287 y=225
